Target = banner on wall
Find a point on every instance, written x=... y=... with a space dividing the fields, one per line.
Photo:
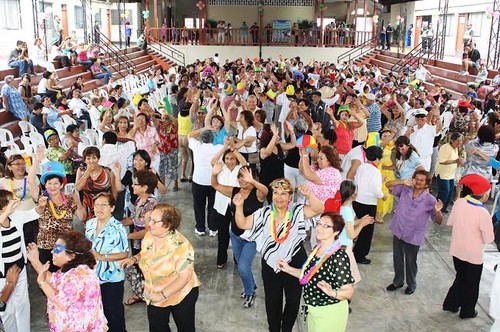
x=282 y=30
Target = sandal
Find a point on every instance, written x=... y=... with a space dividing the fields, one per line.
x=133 y=300
x=176 y=186
x=183 y=179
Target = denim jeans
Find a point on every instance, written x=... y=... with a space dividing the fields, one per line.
x=445 y=191
x=244 y=252
x=106 y=77
x=23 y=66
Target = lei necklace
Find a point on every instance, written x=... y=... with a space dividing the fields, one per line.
x=12 y=189
x=53 y=208
x=306 y=277
x=474 y=202
x=285 y=232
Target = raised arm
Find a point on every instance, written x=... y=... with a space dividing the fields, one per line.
x=315 y=206
x=241 y=221
x=224 y=190
x=32 y=183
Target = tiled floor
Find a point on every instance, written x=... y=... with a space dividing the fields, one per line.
x=220 y=308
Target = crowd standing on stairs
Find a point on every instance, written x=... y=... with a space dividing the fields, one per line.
x=293 y=160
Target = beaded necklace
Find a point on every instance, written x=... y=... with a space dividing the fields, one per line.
x=285 y=232
x=306 y=277
x=53 y=208
x=12 y=189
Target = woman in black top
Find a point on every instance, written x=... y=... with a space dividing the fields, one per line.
x=244 y=251
x=292 y=159
x=272 y=156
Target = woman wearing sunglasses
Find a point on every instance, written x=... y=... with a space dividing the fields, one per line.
x=16 y=316
x=171 y=284
x=279 y=231
x=407 y=158
x=73 y=294
x=325 y=278
x=109 y=246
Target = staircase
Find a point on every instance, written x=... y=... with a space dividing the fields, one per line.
x=445 y=73
x=118 y=63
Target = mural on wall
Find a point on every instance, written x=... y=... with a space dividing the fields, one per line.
x=282 y=31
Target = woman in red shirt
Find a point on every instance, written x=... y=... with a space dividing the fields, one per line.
x=344 y=128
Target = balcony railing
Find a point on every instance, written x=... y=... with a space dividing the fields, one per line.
x=264 y=37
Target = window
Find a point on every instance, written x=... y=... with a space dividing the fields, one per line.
x=97 y=19
x=10 y=13
x=79 y=17
x=476 y=19
x=115 y=17
x=189 y=22
x=49 y=19
x=449 y=20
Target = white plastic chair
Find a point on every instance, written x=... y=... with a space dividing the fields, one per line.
x=69 y=189
x=68 y=120
x=104 y=93
x=36 y=138
x=60 y=128
x=93 y=137
x=7 y=140
x=26 y=128
x=29 y=148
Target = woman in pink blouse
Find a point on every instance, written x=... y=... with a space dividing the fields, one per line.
x=145 y=134
x=73 y=293
x=324 y=176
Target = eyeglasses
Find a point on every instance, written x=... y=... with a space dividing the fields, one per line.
x=100 y=205
x=59 y=248
x=21 y=163
x=155 y=221
x=324 y=226
x=201 y=113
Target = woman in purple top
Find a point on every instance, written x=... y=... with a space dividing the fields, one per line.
x=416 y=205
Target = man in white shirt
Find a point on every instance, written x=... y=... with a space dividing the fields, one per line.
x=421 y=73
x=422 y=135
x=410 y=113
x=79 y=108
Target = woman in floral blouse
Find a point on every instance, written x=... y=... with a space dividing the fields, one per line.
x=109 y=246
x=73 y=293
x=167 y=259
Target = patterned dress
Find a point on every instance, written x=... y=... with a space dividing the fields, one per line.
x=169 y=144
x=93 y=187
x=16 y=104
x=77 y=304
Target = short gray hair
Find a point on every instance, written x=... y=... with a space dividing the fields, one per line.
x=9 y=78
x=207 y=136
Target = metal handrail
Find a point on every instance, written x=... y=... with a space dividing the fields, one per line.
x=360 y=48
x=414 y=56
x=170 y=52
x=123 y=62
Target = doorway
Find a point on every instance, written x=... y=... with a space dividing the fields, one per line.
x=459 y=45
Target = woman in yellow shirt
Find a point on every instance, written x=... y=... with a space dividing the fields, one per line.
x=446 y=168
x=167 y=262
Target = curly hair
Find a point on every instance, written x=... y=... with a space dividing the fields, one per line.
x=332 y=156
x=77 y=244
x=337 y=221
x=170 y=216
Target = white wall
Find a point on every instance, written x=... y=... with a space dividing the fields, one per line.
x=456 y=7
x=306 y=54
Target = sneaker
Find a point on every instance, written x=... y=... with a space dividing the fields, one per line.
x=462 y=73
x=249 y=300
x=200 y=233
x=212 y=233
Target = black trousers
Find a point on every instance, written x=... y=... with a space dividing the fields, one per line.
x=112 y=303
x=364 y=241
x=202 y=194
x=279 y=319
x=222 y=223
x=464 y=292
x=183 y=313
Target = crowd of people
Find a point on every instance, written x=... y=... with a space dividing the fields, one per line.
x=298 y=162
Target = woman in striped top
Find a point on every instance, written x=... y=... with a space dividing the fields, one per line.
x=279 y=231
x=16 y=317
